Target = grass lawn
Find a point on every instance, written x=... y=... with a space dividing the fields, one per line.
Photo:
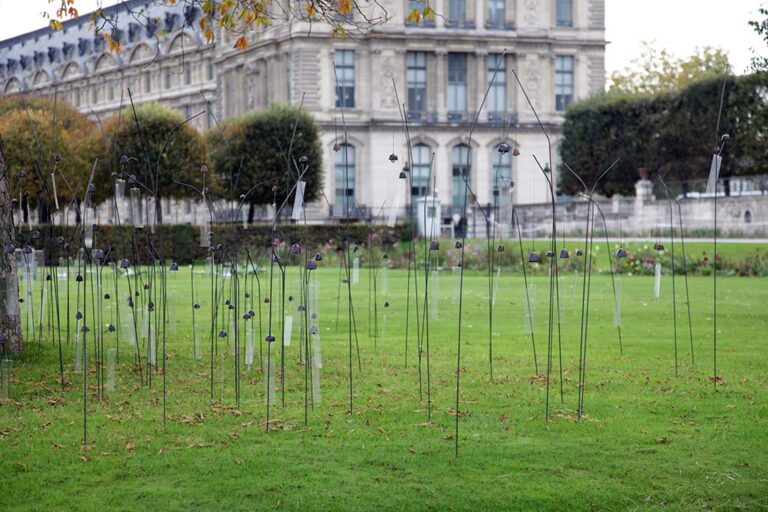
x=648 y=439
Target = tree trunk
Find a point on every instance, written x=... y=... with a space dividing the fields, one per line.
x=10 y=319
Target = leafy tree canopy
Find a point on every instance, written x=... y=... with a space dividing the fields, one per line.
x=658 y=70
x=161 y=148
x=265 y=147
x=36 y=131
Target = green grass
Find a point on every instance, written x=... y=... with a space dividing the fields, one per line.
x=649 y=440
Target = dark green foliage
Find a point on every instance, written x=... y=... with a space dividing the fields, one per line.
x=257 y=148
x=181 y=242
x=672 y=134
x=162 y=151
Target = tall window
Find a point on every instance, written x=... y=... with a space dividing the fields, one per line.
x=147 y=82
x=187 y=73
x=501 y=176
x=563 y=82
x=459 y=160
x=497 y=95
x=457 y=12
x=564 y=13
x=497 y=12
x=420 y=176
x=345 y=179
x=457 y=82
x=345 y=76
x=416 y=73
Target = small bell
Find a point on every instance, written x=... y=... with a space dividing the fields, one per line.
x=550 y=254
x=336 y=147
x=295 y=249
x=318 y=257
x=111 y=328
x=503 y=148
x=621 y=253
x=402 y=175
x=434 y=245
x=533 y=257
x=124 y=263
x=311 y=265
x=516 y=151
x=270 y=339
x=564 y=255
x=658 y=246
x=222 y=333
x=393 y=158
x=500 y=248
x=458 y=245
x=174 y=267
x=579 y=252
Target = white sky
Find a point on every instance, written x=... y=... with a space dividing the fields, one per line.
x=678 y=25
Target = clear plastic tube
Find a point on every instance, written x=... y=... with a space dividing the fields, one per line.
x=617 y=306
x=111 y=363
x=137 y=211
x=434 y=300
x=714 y=173
x=205 y=233
x=495 y=286
x=394 y=207
x=78 y=350
x=152 y=207
x=288 y=330
x=55 y=194
x=657 y=282
x=298 y=200
x=249 y=343
x=356 y=270
x=6 y=373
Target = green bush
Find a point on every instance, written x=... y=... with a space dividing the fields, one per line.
x=671 y=133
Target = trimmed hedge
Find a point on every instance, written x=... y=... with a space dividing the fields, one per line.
x=181 y=243
x=671 y=133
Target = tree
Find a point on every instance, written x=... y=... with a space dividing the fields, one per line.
x=657 y=70
x=265 y=147
x=10 y=320
x=38 y=130
x=760 y=26
x=242 y=17
x=672 y=133
x=161 y=150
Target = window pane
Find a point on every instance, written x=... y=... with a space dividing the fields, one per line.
x=457 y=82
x=459 y=160
x=563 y=82
x=457 y=11
x=496 y=13
x=420 y=178
x=417 y=80
x=497 y=94
x=345 y=78
x=345 y=180
x=564 y=13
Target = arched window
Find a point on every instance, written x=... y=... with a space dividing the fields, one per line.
x=345 y=180
x=501 y=177
x=460 y=171
x=420 y=176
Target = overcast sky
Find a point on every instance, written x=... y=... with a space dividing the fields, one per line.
x=678 y=25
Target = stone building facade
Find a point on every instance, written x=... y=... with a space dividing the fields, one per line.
x=439 y=70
